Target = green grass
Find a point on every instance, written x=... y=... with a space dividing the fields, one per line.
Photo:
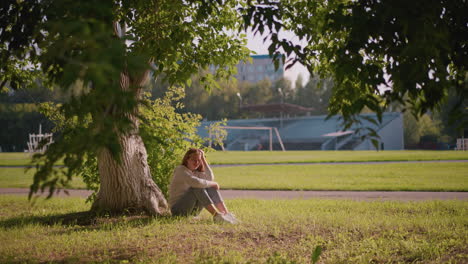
x=441 y=176
x=234 y=157
x=17 y=159
x=20 y=178
x=272 y=231
x=14 y=158
x=250 y=157
x=438 y=176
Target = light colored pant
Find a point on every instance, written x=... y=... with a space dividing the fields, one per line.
x=194 y=200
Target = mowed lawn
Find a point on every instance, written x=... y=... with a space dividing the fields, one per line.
x=439 y=176
x=15 y=159
x=22 y=178
x=272 y=231
x=250 y=157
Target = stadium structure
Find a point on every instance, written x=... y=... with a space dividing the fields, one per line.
x=311 y=133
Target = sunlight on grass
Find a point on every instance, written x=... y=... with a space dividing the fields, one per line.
x=236 y=157
x=14 y=158
x=389 y=177
x=273 y=230
x=20 y=178
x=384 y=177
x=251 y=157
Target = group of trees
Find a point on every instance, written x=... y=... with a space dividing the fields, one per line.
x=437 y=128
x=20 y=116
x=225 y=102
x=111 y=48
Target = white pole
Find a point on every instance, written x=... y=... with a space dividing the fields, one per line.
x=271 y=140
x=279 y=139
x=209 y=136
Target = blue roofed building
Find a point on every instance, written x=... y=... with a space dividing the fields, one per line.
x=312 y=133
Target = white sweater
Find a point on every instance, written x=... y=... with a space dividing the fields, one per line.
x=184 y=178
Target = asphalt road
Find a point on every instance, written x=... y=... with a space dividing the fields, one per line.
x=268 y=194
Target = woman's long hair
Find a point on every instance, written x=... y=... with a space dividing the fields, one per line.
x=187 y=155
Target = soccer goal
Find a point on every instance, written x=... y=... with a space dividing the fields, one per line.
x=270 y=134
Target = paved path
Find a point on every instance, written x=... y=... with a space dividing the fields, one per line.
x=257 y=194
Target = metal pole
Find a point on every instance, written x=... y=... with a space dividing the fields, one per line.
x=271 y=140
x=281 y=106
x=240 y=101
x=281 y=119
x=209 y=136
x=279 y=139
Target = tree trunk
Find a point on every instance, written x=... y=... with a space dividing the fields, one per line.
x=128 y=185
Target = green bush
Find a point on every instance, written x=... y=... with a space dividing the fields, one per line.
x=168 y=134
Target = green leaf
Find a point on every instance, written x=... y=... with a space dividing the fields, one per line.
x=316 y=254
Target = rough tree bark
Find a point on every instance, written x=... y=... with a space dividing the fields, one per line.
x=128 y=185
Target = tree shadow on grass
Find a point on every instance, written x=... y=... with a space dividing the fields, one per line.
x=86 y=220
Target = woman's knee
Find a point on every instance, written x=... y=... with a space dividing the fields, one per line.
x=197 y=190
x=212 y=189
x=214 y=195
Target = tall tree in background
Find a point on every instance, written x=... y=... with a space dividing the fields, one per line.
x=282 y=91
x=450 y=123
x=215 y=104
x=108 y=47
x=417 y=129
x=416 y=49
x=257 y=93
x=315 y=93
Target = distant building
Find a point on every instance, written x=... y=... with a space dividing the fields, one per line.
x=262 y=67
x=313 y=133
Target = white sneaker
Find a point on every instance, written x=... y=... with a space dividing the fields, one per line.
x=232 y=218
x=221 y=218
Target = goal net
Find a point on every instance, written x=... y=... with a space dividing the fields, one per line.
x=251 y=138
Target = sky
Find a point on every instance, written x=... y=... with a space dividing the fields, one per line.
x=255 y=43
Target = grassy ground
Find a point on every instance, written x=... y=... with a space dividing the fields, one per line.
x=390 y=177
x=234 y=157
x=14 y=158
x=20 y=178
x=271 y=232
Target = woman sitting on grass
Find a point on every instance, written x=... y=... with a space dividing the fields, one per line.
x=192 y=188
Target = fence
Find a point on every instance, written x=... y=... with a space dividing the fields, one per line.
x=462 y=143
